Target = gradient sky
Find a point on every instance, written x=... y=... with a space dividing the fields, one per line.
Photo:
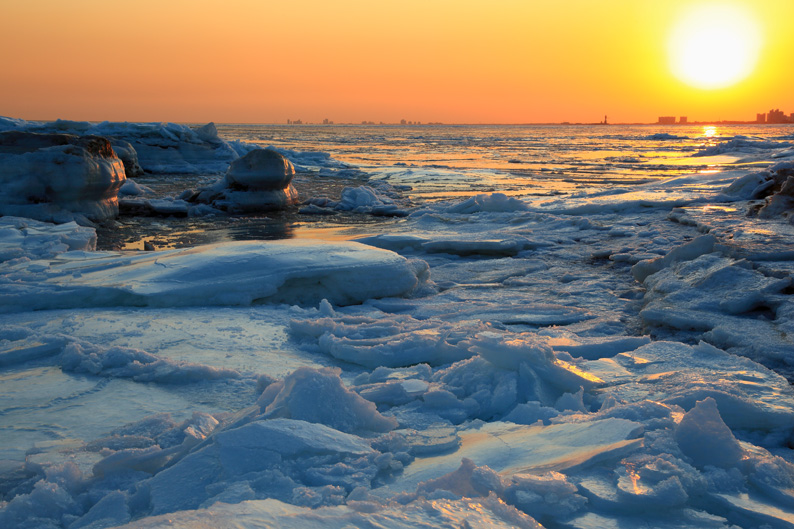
x=454 y=61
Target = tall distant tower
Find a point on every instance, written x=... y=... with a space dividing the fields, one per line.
x=605 y=120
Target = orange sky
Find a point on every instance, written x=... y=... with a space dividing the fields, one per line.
x=495 y=61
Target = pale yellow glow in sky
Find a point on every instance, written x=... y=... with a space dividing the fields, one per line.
x=715 y=45
x=502 y=61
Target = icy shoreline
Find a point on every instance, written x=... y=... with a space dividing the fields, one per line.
x=591 y=361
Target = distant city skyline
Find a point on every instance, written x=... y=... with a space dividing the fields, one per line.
x=774 y=116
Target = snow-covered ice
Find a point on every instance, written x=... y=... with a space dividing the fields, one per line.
x=258 y=181
x=173 y=148
x=58 y=177
x=241 y=273
x=617 y=356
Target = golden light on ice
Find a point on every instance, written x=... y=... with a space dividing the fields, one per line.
x=714 y=45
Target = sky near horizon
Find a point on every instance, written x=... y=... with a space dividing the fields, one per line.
x=496 y=61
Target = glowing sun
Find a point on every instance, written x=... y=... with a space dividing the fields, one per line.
x=714 y=45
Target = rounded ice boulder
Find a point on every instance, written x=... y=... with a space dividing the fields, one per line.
x=258 y=181
x=261 y=169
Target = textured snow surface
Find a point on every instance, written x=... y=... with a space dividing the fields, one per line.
x=608 y=359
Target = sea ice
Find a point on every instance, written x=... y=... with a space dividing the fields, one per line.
x=381 y=340
x=493 y=203
x=696 y=287
x=31 y=239
x=442 y=514
x=705 y=439
x=319 y=396
x=378 y=199
x=258 y=181
x=171 y=148
x=58 y=177
x=526 y=383
x=252 y=272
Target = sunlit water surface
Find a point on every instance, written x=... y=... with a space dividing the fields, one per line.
x=444 y=162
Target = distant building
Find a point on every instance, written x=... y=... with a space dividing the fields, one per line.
x=760 y=118
x=666 y=120
x=327 y=121
x=683 y=120
x=776 y=116
x=402 y=122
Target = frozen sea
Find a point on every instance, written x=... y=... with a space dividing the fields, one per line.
x=460 y=326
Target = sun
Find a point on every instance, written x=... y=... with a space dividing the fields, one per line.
x=714 y=45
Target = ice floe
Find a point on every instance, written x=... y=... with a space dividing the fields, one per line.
x=241 y=273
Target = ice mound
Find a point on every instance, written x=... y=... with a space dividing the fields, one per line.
x=261 y=169
x=240 y=273
x=383 y=340
x=686 y=252
x=696 y=287
x=752 y=186
x=58 y=177
x=493 y=203
x=512 y=450
x=171 y=148
x=775 y=185
x=442 y=513
x=258 y=181
x=32 y=239
x=165 y=207
x=378 y=199
x=132 y=188
x=153 y=147
x=271 y=457
x=742 y=145
x=315 y=162
x=136 y=364
x=781 y=202
x=319 y=396
x=537 y=372
x=665 y=136
x=546 y=496
x=704 y=437
x=464 y=247
x=748 y=395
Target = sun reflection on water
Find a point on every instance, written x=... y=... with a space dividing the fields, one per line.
x=709 y=136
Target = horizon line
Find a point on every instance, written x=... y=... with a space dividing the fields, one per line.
x=431 y=123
